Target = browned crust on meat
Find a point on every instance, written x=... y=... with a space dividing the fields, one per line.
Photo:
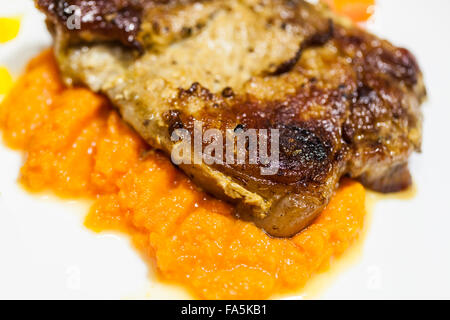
x=354 y=107
x=113 y=20
x=116 y=20
x=375 y=91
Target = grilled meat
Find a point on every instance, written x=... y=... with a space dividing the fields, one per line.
x=344 y=101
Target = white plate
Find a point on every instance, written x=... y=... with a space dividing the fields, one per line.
x=45 y=252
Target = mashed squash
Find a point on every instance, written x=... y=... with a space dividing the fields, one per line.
x=6 y=81
x=356 y=10
x=76 y=145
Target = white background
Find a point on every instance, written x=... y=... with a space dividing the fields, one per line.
x=45 y=252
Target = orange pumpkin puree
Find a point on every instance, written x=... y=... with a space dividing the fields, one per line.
x=356 y=10
x=76 y=145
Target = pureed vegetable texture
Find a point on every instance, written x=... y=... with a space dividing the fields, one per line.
x=76 y=145
x=356 y=10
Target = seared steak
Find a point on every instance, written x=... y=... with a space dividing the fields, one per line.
x=344 y=101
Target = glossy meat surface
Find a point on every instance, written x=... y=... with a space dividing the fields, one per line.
x=344 y=101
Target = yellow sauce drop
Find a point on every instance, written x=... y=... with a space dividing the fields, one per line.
x=9 y=29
